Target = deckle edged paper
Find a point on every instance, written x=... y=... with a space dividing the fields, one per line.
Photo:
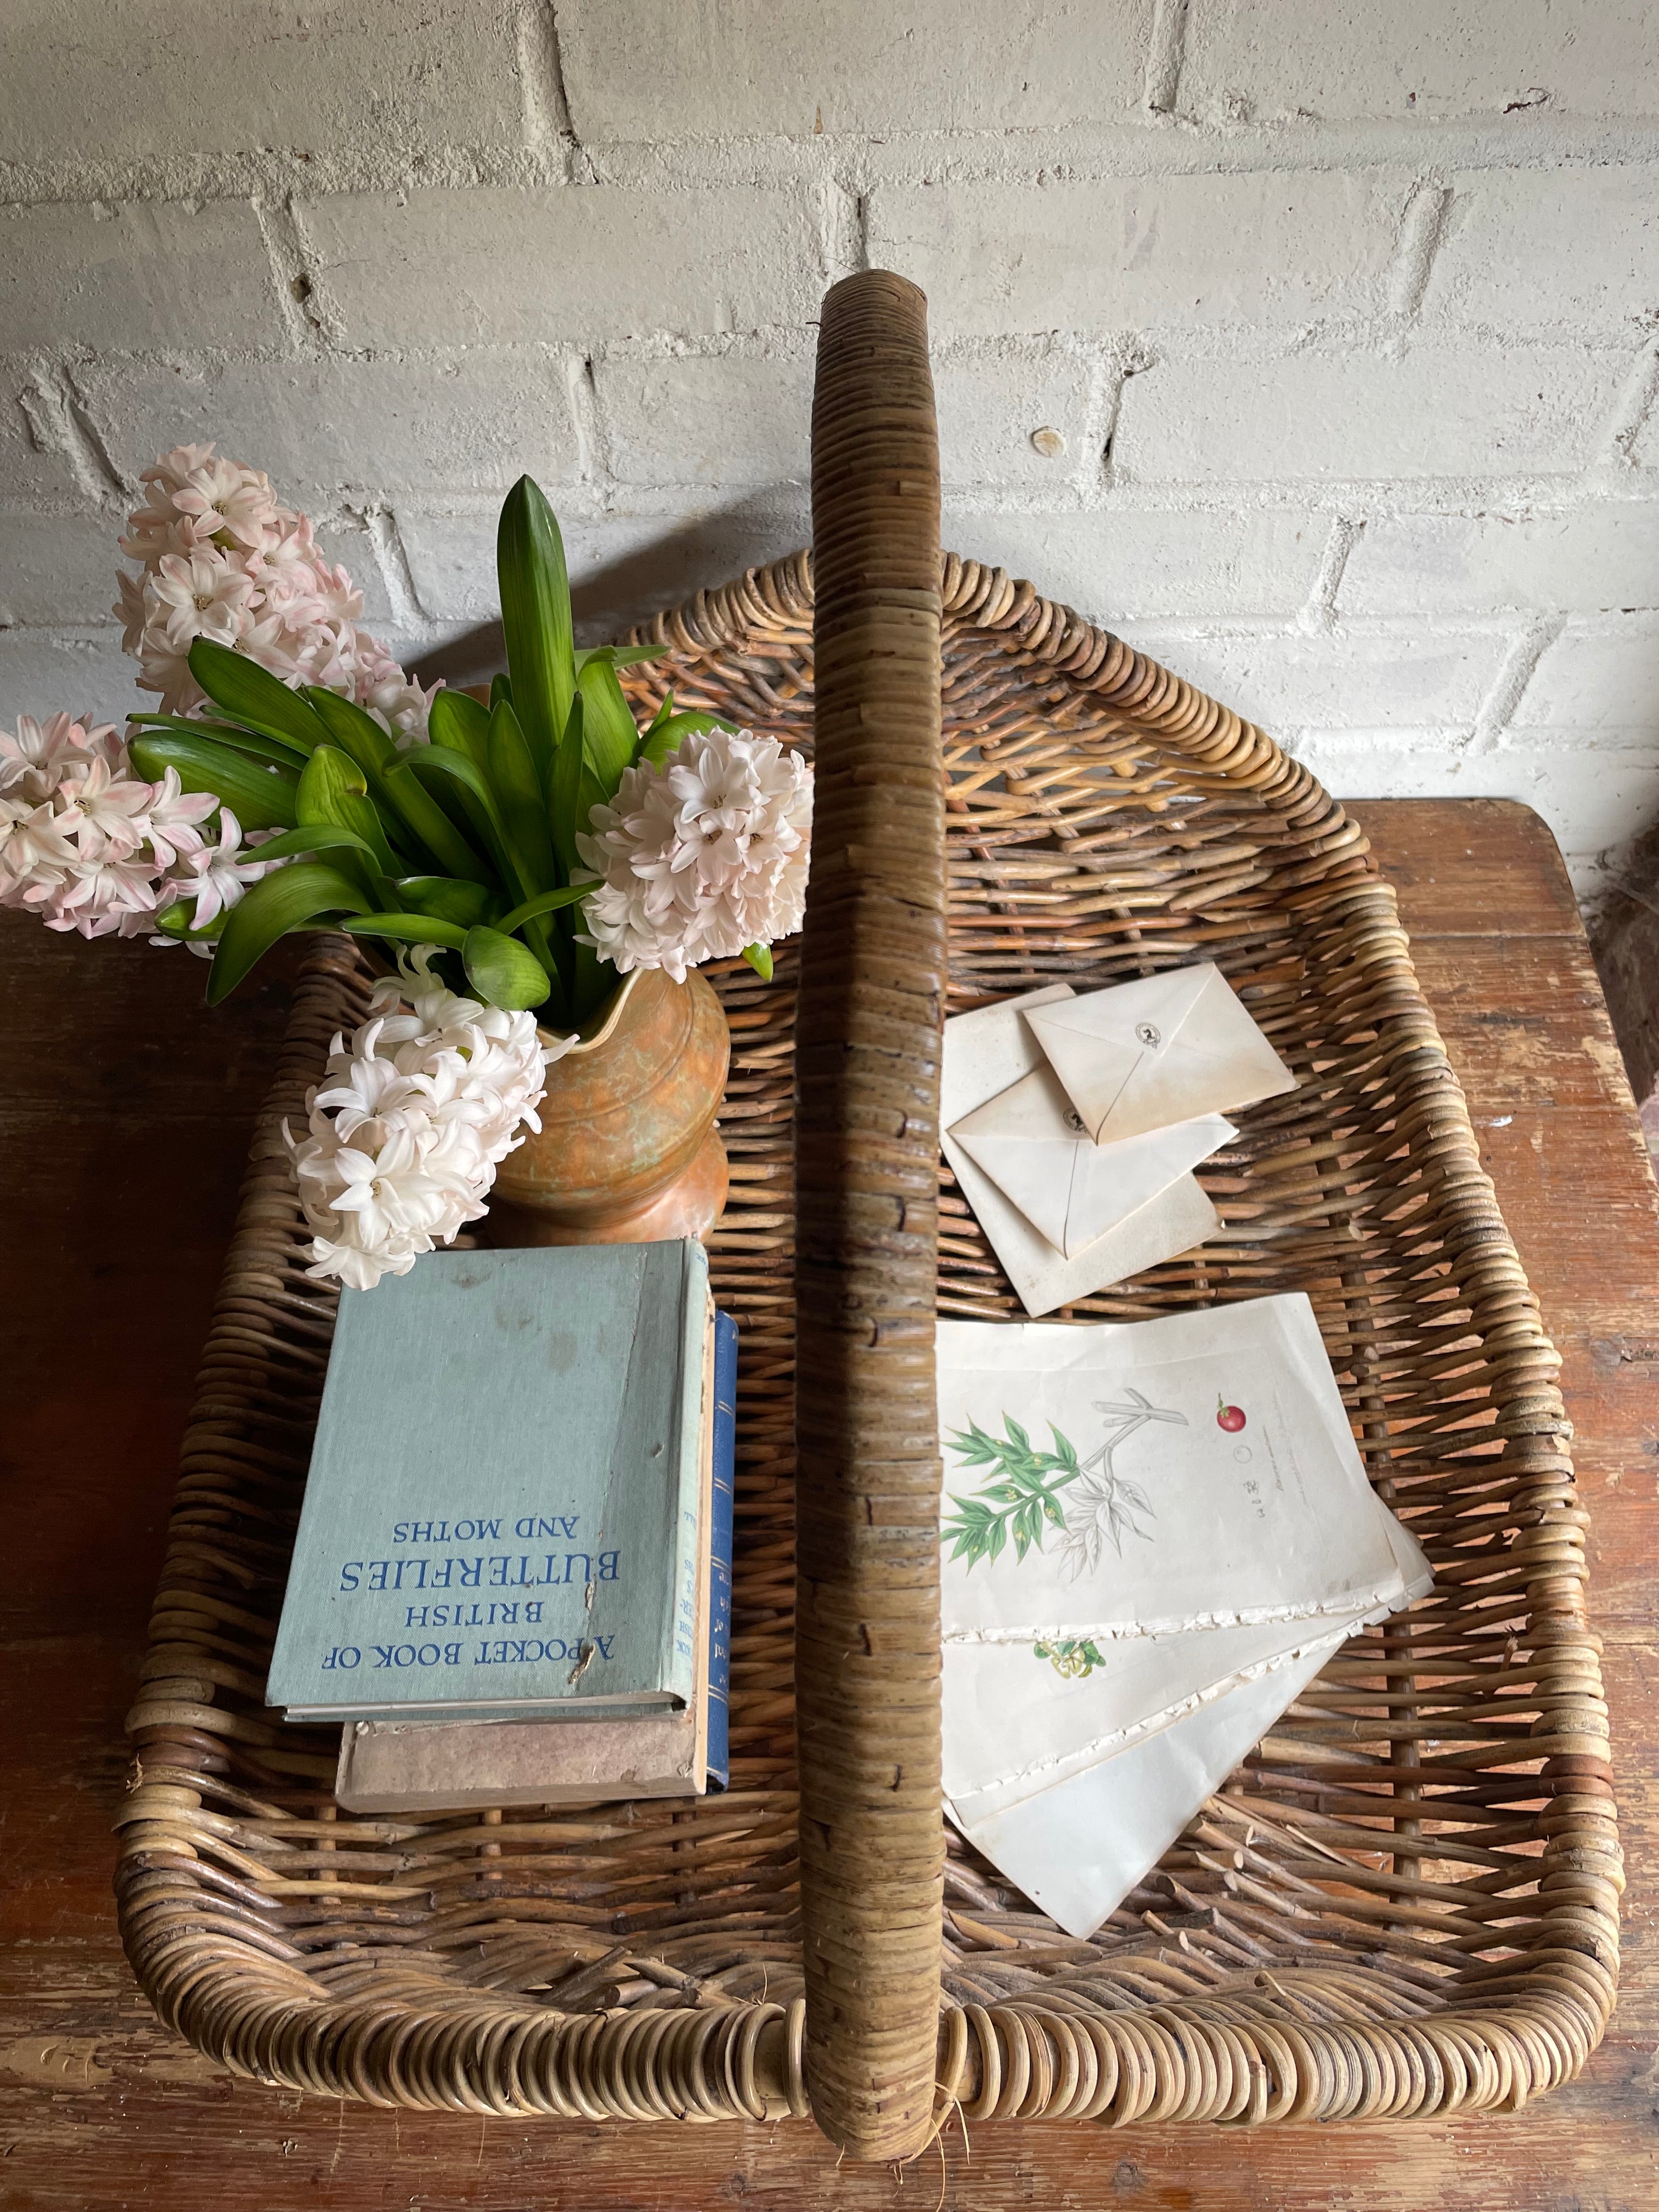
x=1088 y=1700
x=1155 y=1533
x=1125 y=1478
x=1077 y=1850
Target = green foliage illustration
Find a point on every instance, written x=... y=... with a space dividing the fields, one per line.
x=1022 y=1501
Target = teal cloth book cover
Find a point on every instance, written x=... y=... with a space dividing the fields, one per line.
x=501 y=1513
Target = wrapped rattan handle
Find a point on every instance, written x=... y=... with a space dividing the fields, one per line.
x=867 y=1121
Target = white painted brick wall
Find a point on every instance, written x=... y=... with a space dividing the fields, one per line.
x=1574 y=247
x=1478 y=409
x=1341 y=326
x=1423 y=60
x=1137 y=564
x=136 y=275
x=690 y=419
x=495 y=266
x=751 y=68
x=1598 y=678
x=471 y=420
x=1120 y=252
x=1600 y=554
x=309 y=74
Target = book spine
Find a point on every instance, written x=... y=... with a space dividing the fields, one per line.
x=683 y=1657
x=720 y=1548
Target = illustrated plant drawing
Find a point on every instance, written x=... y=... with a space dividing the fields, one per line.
x=1022 y=1501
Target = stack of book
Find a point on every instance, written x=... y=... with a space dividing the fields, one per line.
x=1155 y=1535
x=512 y=1578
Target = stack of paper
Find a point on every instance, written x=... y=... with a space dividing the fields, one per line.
x=1155 y=1534
x=1072 y=1124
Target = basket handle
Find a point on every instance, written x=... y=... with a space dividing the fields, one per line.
x=872 y=980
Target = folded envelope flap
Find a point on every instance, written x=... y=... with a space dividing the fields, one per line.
x=1106 y=1044
x=1123 y=1012
x=1035 y=1109
x=1035 y=1177
x=1110 y=1182
x=1224 y=1028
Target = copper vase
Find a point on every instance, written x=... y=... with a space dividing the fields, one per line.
x=629 y=1152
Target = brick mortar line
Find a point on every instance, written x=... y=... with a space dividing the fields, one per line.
x=1360 y=500
x=1334 y=339
x=1166 y=49
x=1153 y=146
x=1378 y=340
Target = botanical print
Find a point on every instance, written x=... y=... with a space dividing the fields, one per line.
x=1073 y=1659
x=1022 y=1500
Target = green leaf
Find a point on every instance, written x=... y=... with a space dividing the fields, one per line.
x=462 y=728
x=667 y=734
x=976 y=1447
x=177 y=920
x=410 y=929
x=315 y=837
x=242 y=688
x=352 y=728
x=519 y=792
x=435 y=760
x=503 y=972
x=260 y=798
x=501 y=687
x=620 y=656
x=544 y=903
x=535 y=593
x=759 y=957
x=460 y=722
x=257 y=745
x=269 y=909
x=446 y=899
x=421 y=823
x=334 y=788
x=564 y=792
x=609 y=734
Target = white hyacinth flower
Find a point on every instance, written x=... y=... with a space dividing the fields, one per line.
x=701 y=858
x=414 y=1115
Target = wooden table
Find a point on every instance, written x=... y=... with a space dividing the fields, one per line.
x=127 y=1110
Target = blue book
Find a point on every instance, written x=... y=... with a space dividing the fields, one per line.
x=504 y=1514
x=719 y=1547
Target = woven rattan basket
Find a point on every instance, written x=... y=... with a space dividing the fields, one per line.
x=1405 y=1901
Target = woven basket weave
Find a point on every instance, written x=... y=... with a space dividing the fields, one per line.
x=1405 y=1903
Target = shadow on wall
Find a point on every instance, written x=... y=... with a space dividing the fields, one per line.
x=631 y=582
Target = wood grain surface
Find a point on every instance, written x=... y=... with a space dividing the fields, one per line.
x=127 y=1112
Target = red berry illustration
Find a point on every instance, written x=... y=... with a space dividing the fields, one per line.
x=1230 y=1418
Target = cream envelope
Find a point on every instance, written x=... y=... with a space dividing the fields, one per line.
x=1031 y=1143
x=987 y=1051
x=1161 y=1049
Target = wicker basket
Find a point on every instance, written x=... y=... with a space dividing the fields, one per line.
x=1405 y=1901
